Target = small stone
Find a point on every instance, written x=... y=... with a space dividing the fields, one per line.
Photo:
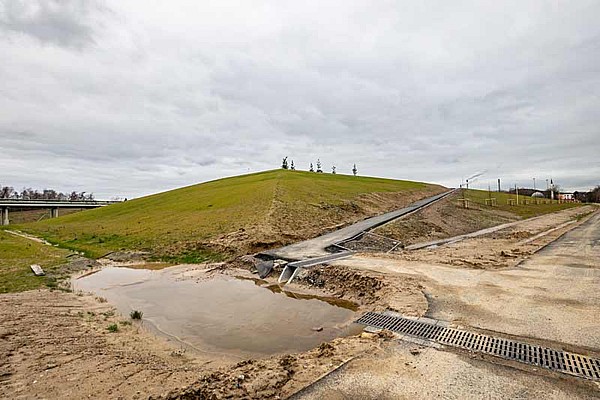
x=51 y=365
x=367 y=335
x=317 y=328
x=415 y=352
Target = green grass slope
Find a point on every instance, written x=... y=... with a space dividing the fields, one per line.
x=230 y=216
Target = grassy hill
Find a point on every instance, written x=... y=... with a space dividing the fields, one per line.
x=230 y=216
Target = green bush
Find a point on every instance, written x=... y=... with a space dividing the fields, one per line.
x=135 y=314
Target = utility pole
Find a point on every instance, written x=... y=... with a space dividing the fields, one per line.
x=499 y=189
x=517 y=190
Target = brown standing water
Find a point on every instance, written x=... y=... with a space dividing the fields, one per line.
x=223 y=315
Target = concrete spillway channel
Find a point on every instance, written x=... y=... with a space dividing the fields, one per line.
x=319 y=250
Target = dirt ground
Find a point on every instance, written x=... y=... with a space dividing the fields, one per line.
x=442 y=220
x=402 y=370
x=504 y=248
x=549 y=298
x=55 y=344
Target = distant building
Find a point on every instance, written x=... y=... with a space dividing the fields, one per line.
x=566 y=196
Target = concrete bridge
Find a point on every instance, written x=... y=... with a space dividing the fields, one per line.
x=52 y=205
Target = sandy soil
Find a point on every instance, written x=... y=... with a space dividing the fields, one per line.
x=56 y=345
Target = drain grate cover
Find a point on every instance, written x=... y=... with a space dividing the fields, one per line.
x=555 y=360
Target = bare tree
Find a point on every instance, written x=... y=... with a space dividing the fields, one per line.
x=6 y=192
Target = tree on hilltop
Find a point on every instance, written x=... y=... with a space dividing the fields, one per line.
x=284 y=163
x=312 y=169
x=292 y=166
x=319 y=170
x=354 y=170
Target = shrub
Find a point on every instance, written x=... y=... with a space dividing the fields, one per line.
x=135 y=314
x=113 y=328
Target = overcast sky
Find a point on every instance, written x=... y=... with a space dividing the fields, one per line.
x=126 y=98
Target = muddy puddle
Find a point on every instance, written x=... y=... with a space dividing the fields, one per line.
x=223 y=315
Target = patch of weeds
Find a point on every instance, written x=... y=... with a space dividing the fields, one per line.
x=579 y=217
x=51 y=283
x=112 y=328
x=101 y=299
x=192 y=257
x=108 y=313
x=135 y=314
x=125 y=323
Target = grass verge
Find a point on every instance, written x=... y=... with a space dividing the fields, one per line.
x=16 y=256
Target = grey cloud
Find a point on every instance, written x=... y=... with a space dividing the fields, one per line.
x=174 y=94
x=59 y=22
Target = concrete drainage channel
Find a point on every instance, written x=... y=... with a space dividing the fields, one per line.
x=294 y=257
x=438 y=332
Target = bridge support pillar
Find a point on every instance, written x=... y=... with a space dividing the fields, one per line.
x=4 y=216
x=54 y=212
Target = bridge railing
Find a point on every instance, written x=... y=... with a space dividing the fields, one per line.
x=58 y=202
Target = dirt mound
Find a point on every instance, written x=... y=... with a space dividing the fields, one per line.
x=276 y=377
x=369 y=289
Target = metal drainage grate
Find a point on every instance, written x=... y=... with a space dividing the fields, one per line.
x=556 y=360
